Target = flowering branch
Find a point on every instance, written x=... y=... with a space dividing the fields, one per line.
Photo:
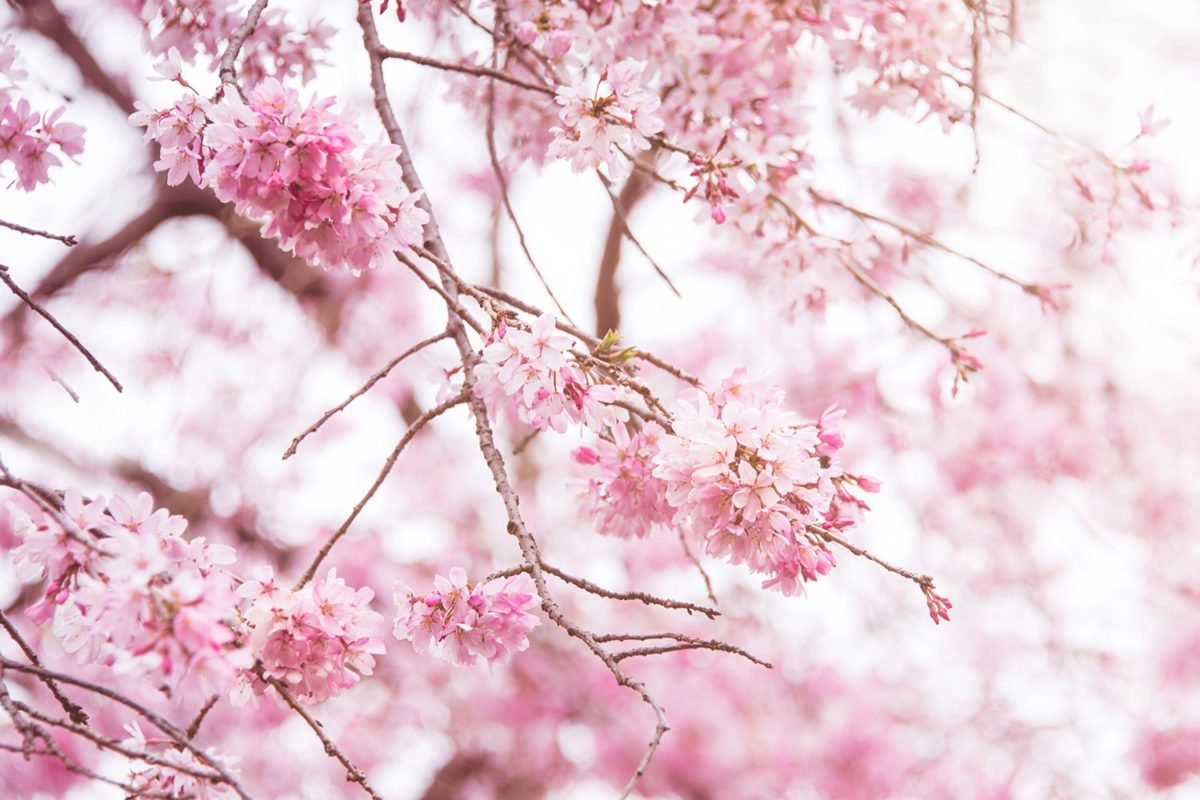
x=177 y=736
x=228 y=64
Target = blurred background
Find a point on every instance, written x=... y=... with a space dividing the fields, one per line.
x=1053 y=496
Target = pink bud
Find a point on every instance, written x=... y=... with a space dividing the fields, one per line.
x=586 y=456
x=868 y=484
x=527 y=33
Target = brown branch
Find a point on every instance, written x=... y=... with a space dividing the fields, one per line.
x=466 y=69
x=43 y=17
x=416 y=427
x=106 y=743
x=486 y=440
x=73 y=709
x=68 y=763
x=178 y=736
x=228 y=64
x=69 y=241
x=194 y=726
x=70 y=337
x=641 y=597
x=687 y=550
x=366 y=387
x=353 y=773
x=921 y=580
x=696 y=644
x=607 y=298
x=622 y=216
x=432 y=284
x=512 y=215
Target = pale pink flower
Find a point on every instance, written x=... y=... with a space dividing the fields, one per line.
x=463 y=624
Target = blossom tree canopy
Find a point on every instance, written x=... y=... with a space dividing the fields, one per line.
x=599 y=398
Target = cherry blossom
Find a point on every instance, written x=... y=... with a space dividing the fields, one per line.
x=534 y=373
x=614 y=119
x=301 y=169
x=127 y=589
x=34 y=142
x=463 y=623
x=318 y=641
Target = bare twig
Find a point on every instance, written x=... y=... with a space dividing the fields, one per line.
x=687 y=550
x=920 y=580
x=507 y=201
x=353 y=773
x=194 y=727
x=374 y=379
x=69 y=241
x=70 y=337
x=697 y=644
x=73 y=709
x=486 y=439
x=466 y=69
x=413 y=430
x=925 y=239
x=450 y=301
x=640 y=597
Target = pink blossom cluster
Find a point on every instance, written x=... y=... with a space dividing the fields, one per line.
x=301 y=169
x=318 y=641
x=609 y=125
x=625 y=499
x=160 y=781
x=900 y=52
x=127 y=589
x=464 y=623
x=756 y=484
x=534 y=374
x=275 y=48
x=32 y=141
x=752 y=481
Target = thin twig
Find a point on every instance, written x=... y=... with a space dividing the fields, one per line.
x=374 y=379
x=353 y=773
x=73 y=709
x=413 y=430
x=691 y=641
x=70 y=337
x=641 y=597
x=194 y=727
x=466 y=69
x=687 y=550
x=69 y=241
x=178 y=736
x=925 y=239
x=432 y=284
x=921 y=580
x=504 y=197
